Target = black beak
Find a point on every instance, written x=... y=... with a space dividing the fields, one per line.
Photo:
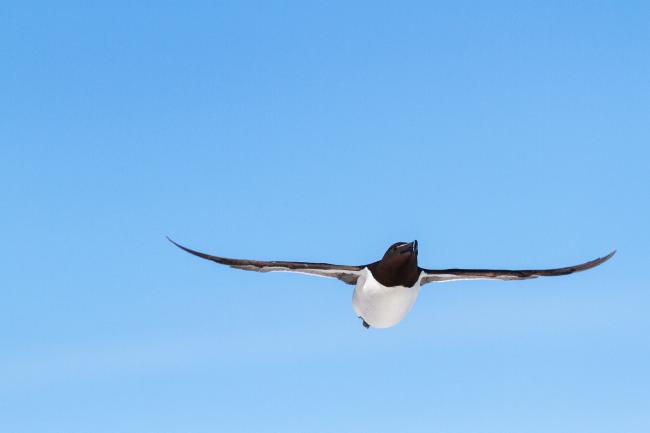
x=412 y=248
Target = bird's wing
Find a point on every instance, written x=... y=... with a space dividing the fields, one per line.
x=440 y=275
x=347 y=274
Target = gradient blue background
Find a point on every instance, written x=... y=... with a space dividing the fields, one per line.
x=499 y=134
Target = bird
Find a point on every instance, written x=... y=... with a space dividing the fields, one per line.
x=386 y=290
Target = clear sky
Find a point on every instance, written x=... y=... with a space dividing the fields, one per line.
x=498 y=134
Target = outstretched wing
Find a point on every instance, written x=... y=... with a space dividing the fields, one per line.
x=440 y=275
x=347 y=274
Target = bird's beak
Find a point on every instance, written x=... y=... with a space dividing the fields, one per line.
x=411 y=247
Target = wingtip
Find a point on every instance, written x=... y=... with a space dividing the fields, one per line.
x=600 y=260
x=196 y=253
x=177 y=244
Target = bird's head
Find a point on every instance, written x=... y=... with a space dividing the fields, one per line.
x=401 y=253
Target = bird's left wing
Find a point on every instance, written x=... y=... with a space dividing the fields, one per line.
x=347 y=274
x=440 y=275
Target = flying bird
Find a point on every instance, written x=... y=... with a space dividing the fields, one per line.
x=386 y=290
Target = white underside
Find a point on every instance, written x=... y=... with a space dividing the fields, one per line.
x=381 y=306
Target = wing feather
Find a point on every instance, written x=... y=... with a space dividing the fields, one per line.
x=440 y=275
x=347 y=274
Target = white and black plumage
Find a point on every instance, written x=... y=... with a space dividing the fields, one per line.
x=386 y=290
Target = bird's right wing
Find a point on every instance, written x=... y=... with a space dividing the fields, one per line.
x=440 y=275
x=347 y=274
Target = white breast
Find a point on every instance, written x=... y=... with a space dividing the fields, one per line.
x=381 y=306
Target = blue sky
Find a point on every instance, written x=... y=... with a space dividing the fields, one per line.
x=500 y=134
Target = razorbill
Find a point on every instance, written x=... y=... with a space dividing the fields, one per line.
x=386 y=290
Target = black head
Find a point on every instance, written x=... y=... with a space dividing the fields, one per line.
x=399 y=266
x=401 y=251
